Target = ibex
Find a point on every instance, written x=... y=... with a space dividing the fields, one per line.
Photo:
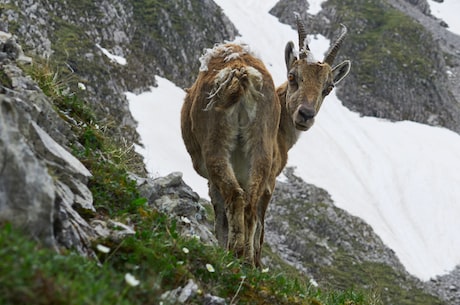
x=238 y=129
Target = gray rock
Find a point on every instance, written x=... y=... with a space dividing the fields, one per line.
x=42 y=186
x=213 y=300
x=49 y=148
x=181 y=294
x=173 y=197
x=447 y=286
x=26 y=189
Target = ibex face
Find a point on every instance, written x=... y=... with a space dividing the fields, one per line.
x=310 y=82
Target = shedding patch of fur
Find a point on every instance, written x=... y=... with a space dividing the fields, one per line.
x=228 y=80
x=223 y=50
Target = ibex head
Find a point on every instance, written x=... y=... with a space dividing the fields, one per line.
x=309 y=82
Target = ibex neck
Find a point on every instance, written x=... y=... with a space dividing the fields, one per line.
x=287 y=132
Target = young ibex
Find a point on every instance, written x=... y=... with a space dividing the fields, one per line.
x=238 y=129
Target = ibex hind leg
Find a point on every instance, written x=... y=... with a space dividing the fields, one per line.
x=220 y=222
x=259 y=184
x=260 y=228
x=250 y=223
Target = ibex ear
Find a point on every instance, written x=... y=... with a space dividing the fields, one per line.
x=289 y=56
x=340 y=71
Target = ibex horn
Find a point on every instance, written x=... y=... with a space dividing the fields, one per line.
x=303 y=45
x=336 y=47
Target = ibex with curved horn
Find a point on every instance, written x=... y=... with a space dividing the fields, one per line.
x=238 y=129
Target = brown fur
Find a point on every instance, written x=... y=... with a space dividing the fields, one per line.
x=238 y=130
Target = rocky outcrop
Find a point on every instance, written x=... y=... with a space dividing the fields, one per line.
x=43 y=187
x=170 y=195
x=41 y=183
x=447 y=286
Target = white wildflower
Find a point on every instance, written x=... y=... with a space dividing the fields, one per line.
x=81 y=86
x=131 y=280
x=103 y=249
x=185 y=250
x=265 y=270
x=185 y=219
x=210 y=268
x=313 y=283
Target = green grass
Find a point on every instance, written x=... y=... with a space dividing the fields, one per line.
x=155 y=255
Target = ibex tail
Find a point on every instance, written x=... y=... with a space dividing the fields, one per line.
x=231 y=84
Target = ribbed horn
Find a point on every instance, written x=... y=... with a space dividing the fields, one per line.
x=329 y=58
x=303 y=45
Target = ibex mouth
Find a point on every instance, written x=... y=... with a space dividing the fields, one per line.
x=304 y=126
x=304 y=118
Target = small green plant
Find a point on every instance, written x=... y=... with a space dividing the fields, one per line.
x=57 y=87
x=113 y=191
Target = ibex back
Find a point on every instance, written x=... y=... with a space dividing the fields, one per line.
x=238 y=129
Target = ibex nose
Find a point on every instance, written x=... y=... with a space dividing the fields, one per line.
x=306 y=113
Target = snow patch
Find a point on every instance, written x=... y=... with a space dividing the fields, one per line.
x=114 y=58
x=448 y=11
x=158 y=115
x=315 y=6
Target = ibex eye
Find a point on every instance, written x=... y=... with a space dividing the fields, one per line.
x=291 y=77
